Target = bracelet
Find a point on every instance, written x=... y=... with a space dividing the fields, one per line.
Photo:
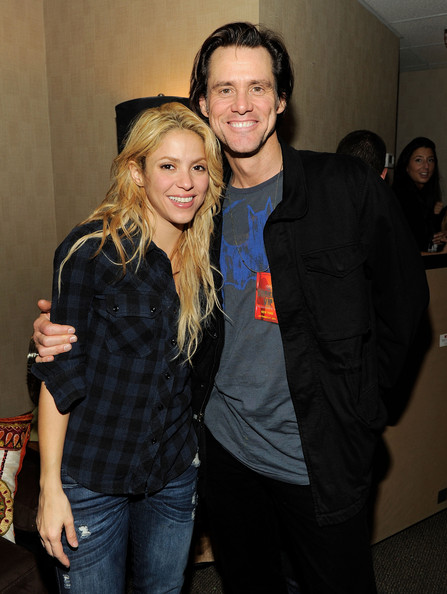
x=33 y=384
x=32 y=352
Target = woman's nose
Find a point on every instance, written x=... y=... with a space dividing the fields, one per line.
x=185 y=180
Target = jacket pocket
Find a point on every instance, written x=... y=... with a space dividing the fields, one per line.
x=337 y=292
x=131 y=323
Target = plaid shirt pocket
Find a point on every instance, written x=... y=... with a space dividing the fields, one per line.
x=131 y=323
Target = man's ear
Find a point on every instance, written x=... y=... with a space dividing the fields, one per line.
x=203 y=106
x=282 y=104
x=136 y=173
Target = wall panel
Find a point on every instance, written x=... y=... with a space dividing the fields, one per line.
x=27 y=220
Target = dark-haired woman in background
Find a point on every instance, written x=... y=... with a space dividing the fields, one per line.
x=416 y=183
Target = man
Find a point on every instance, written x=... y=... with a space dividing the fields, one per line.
x=294 y=413
x=368 y=147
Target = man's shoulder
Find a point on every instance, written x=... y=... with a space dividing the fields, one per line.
x=317 y=158
x=324 y=165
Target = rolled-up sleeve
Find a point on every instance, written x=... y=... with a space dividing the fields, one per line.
x=65 y=376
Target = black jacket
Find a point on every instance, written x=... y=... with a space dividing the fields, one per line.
x=349 y=289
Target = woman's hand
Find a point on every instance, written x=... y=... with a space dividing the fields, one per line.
x=438 y=207
x=51 y=339
x=440 y=237
x=54 y=515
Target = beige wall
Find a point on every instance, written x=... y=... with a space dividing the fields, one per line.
x=423 y=112
x=64 y=68
x=346 y=70
x=103 y=52
x=417 y=444
x=68 y=64
x=26 y=191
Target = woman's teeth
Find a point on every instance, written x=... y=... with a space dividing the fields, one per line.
x=181 y=199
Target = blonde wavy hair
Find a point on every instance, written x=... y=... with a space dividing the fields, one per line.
x=124 y=215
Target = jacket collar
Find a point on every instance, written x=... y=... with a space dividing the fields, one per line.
x=294 y=204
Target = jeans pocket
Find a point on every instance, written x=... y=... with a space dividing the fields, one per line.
x=67 y=480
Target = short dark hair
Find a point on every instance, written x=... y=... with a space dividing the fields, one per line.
x=241 y=35
x=367 y=146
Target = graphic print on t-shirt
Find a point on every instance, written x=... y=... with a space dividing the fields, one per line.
x=243 y=242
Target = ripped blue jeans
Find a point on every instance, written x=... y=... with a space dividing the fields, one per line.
x=155 y=530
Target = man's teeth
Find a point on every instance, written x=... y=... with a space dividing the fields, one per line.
x=181 y=199
x=241 y=124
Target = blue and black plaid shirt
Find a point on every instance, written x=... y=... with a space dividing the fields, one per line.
x=130 y=428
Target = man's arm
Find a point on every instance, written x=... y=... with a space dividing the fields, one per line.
x=399 y=286
x=51 y=339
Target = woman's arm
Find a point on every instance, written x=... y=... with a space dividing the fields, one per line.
x=54 y=512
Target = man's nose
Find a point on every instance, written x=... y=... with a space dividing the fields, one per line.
x=242 y=102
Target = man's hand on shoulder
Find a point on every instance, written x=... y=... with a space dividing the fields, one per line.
x=51 y=339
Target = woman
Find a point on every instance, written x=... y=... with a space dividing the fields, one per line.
x=118 y=448
x=416 y=183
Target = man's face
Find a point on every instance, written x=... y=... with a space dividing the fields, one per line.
x=241 y=103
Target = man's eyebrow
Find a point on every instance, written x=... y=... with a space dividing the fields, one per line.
x=229 y=83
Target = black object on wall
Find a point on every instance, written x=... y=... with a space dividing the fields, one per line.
x=127 y=111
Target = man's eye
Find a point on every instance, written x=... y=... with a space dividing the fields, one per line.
x=225 y=91
x=257 y=90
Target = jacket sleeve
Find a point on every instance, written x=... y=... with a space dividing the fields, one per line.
x=398 y=283
x=65 y=376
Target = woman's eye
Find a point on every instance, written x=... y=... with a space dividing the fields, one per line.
x=167 y=166
x=199 y=168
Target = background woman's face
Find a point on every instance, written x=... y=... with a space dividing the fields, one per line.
x=421 y=166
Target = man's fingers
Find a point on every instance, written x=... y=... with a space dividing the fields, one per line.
x=44 y=327
x=44 y=305
x=47 y=353
x=61 y=341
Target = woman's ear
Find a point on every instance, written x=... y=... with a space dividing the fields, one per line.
x=136 y=173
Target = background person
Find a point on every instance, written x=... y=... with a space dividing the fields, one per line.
x=416 y=184
x=117 y=444
x=367 y=146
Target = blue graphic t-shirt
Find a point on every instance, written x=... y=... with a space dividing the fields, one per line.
x=250 y=411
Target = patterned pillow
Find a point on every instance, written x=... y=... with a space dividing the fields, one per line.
x=14 y=434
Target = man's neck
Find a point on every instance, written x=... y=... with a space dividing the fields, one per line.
x=252 y=170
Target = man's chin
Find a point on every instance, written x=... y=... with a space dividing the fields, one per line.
x=241 y=153
x=245 y=150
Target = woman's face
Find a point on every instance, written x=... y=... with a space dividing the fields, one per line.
x=175 y=180
x=421 y=166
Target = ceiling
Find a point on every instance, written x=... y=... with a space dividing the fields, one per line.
x=420 y=25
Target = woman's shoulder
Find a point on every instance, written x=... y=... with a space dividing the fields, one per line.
x=84 y=230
